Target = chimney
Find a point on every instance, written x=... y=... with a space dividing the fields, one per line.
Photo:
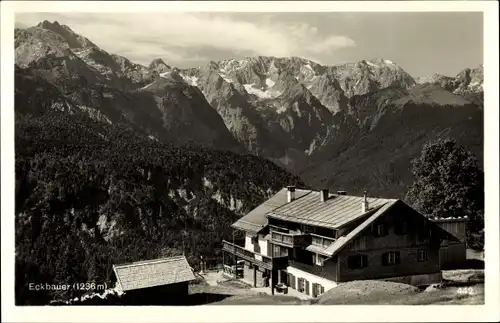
x=364 y=204
x=324 y=195
x=290 y=193
x=341 y=193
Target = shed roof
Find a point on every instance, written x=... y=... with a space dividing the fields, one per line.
x=256 y=220
x=335 y=212
x=151 y=273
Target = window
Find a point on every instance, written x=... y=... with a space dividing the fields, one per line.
x=307 y=228
x=357 y=261
x=255 y=240
x=300 y=284
x=317 y=241
x=327 y=242
x=379 y=230
x=317 y=289
x=422 y=255
x=390 y=258
x=318 y=259
x=359 y=243
x=421 y=238
x=280 y=251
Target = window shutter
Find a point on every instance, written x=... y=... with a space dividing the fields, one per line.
x=307 y=286
x=322 y=289
x=384 y=259
x=397 y=257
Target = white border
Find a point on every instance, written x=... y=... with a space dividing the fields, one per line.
x=488 y=312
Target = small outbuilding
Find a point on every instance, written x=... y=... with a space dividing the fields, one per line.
x=161 y=281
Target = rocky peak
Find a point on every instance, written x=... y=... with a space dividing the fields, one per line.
x=159 y=66
x=466 y=82
x=370 y=75
x=48 y=25
x=73 y=39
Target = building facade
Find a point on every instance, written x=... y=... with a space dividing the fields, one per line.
x=313 y=240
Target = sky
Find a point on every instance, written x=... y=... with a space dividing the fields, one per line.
x=422 y=43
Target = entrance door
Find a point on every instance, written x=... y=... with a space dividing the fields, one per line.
x=284 y=277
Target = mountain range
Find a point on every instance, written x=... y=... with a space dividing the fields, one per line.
x=352 y=126
x=118 y=162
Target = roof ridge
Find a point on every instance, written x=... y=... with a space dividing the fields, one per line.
x=151 y=261
x=296 y=199
x=331 y=193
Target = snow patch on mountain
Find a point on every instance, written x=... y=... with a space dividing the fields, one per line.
x=191 y=80
x=259 y=92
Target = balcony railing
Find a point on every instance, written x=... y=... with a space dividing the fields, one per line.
x=254 y=257
x=290 y=239
x=321 y=241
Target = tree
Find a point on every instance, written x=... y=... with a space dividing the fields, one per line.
x=449 y=182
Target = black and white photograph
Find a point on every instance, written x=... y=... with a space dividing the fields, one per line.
x=227 y=158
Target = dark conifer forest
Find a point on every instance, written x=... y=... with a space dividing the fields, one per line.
x=90 y=195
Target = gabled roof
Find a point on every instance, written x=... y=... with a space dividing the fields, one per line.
x=344 y=240
x=151 y=273
x=335 y=212
x=256 y=220
x=341 y=242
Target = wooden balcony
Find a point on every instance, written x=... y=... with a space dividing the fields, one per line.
x=254 y=257
x=290 y=240
x=321 y=241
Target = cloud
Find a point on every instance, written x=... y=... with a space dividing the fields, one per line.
x=180 y=37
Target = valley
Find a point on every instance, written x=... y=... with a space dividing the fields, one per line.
x=138 y=162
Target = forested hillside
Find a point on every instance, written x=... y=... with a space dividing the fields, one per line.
x=372 y=146
x=90 y=195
